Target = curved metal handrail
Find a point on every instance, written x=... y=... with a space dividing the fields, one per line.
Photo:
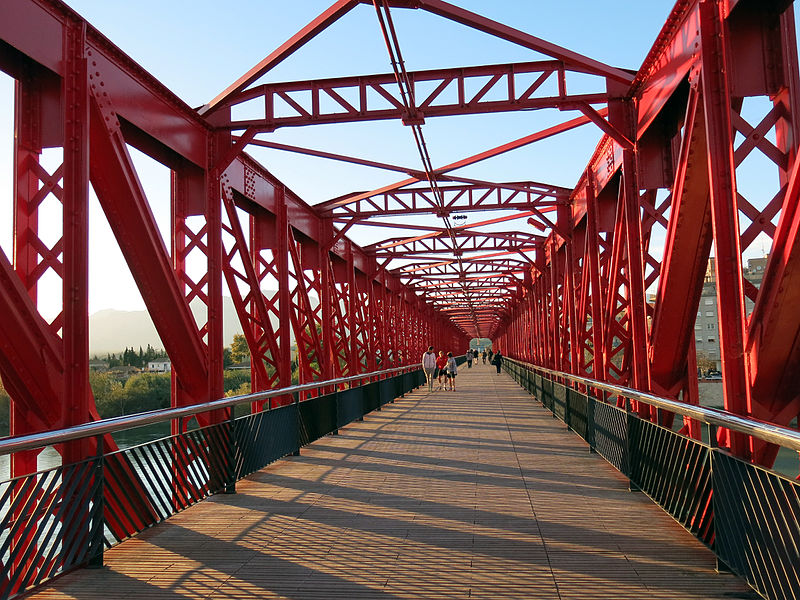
x=774 y=434
x=104 y=426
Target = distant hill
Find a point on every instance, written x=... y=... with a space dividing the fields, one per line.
x=111 y=331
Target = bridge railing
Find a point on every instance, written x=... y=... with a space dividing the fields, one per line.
x=62 y=518
x=747 y=514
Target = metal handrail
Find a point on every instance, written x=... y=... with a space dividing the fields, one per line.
x=104 y=426
x=774 y=434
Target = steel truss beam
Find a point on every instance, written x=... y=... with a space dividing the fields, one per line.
x=521 y=196
x=679 y=178
x=376 y=97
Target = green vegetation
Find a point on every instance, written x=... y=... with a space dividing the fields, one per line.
x=115 y=395
x=5 y=404
x=148 y=391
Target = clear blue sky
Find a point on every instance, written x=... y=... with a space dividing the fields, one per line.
x=197 y=48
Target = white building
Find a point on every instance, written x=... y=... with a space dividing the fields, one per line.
x=160 y=366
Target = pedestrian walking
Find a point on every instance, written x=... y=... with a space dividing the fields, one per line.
x=429 y=366
x=498 y=361
x=441 y=368
x=483 y=355
x=452 y=371
x=468 y=356
x=491 y=362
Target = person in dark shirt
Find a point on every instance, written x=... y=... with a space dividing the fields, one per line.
x=497 y=361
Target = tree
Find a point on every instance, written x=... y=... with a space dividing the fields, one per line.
x=147 y=391
x=234 y=380
x=704 y=362
x=239 y=348
x=107 y=393
x=5 y=410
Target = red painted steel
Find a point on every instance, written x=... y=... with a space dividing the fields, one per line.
x=688 y=85
x=571 y=279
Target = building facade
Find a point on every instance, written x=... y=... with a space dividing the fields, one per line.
x=706 y=326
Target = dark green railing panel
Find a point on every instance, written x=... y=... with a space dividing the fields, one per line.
x=389 y=389
x=264 y=437
x=560 y=401
x=317 y=418
x=675 y=471
x=372 y=398
x=757 y=521
x=610 y=433
x=578 y=409
x=350 y=406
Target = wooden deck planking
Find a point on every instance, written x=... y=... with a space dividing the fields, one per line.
x=478 y=493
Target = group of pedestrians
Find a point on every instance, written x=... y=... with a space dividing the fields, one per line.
x=442 y=367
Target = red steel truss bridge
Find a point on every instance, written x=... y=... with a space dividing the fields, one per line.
x=583 y=287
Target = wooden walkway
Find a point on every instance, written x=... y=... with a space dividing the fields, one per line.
x=478 y=493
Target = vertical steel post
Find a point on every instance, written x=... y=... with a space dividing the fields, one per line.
x=327 y=367
x=724 y=216
x=555 y=307
x=352 y=309
x=75 y=332
x=565 y=224
x=281 y=258
x=27 y=152
x=625 y=114
x=599 y=367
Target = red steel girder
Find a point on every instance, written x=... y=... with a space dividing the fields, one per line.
x=724 y=214
x=481 y=23
x=123 y=200
x=688 y=245
x=774 y=327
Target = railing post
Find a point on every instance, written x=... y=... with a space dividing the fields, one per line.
x=297 y=421
x=230 y=476
x=590 y=402
x=336 y=404
x=97 y=522
x=631 y=452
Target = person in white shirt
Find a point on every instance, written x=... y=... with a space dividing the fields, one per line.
x=429 y=366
